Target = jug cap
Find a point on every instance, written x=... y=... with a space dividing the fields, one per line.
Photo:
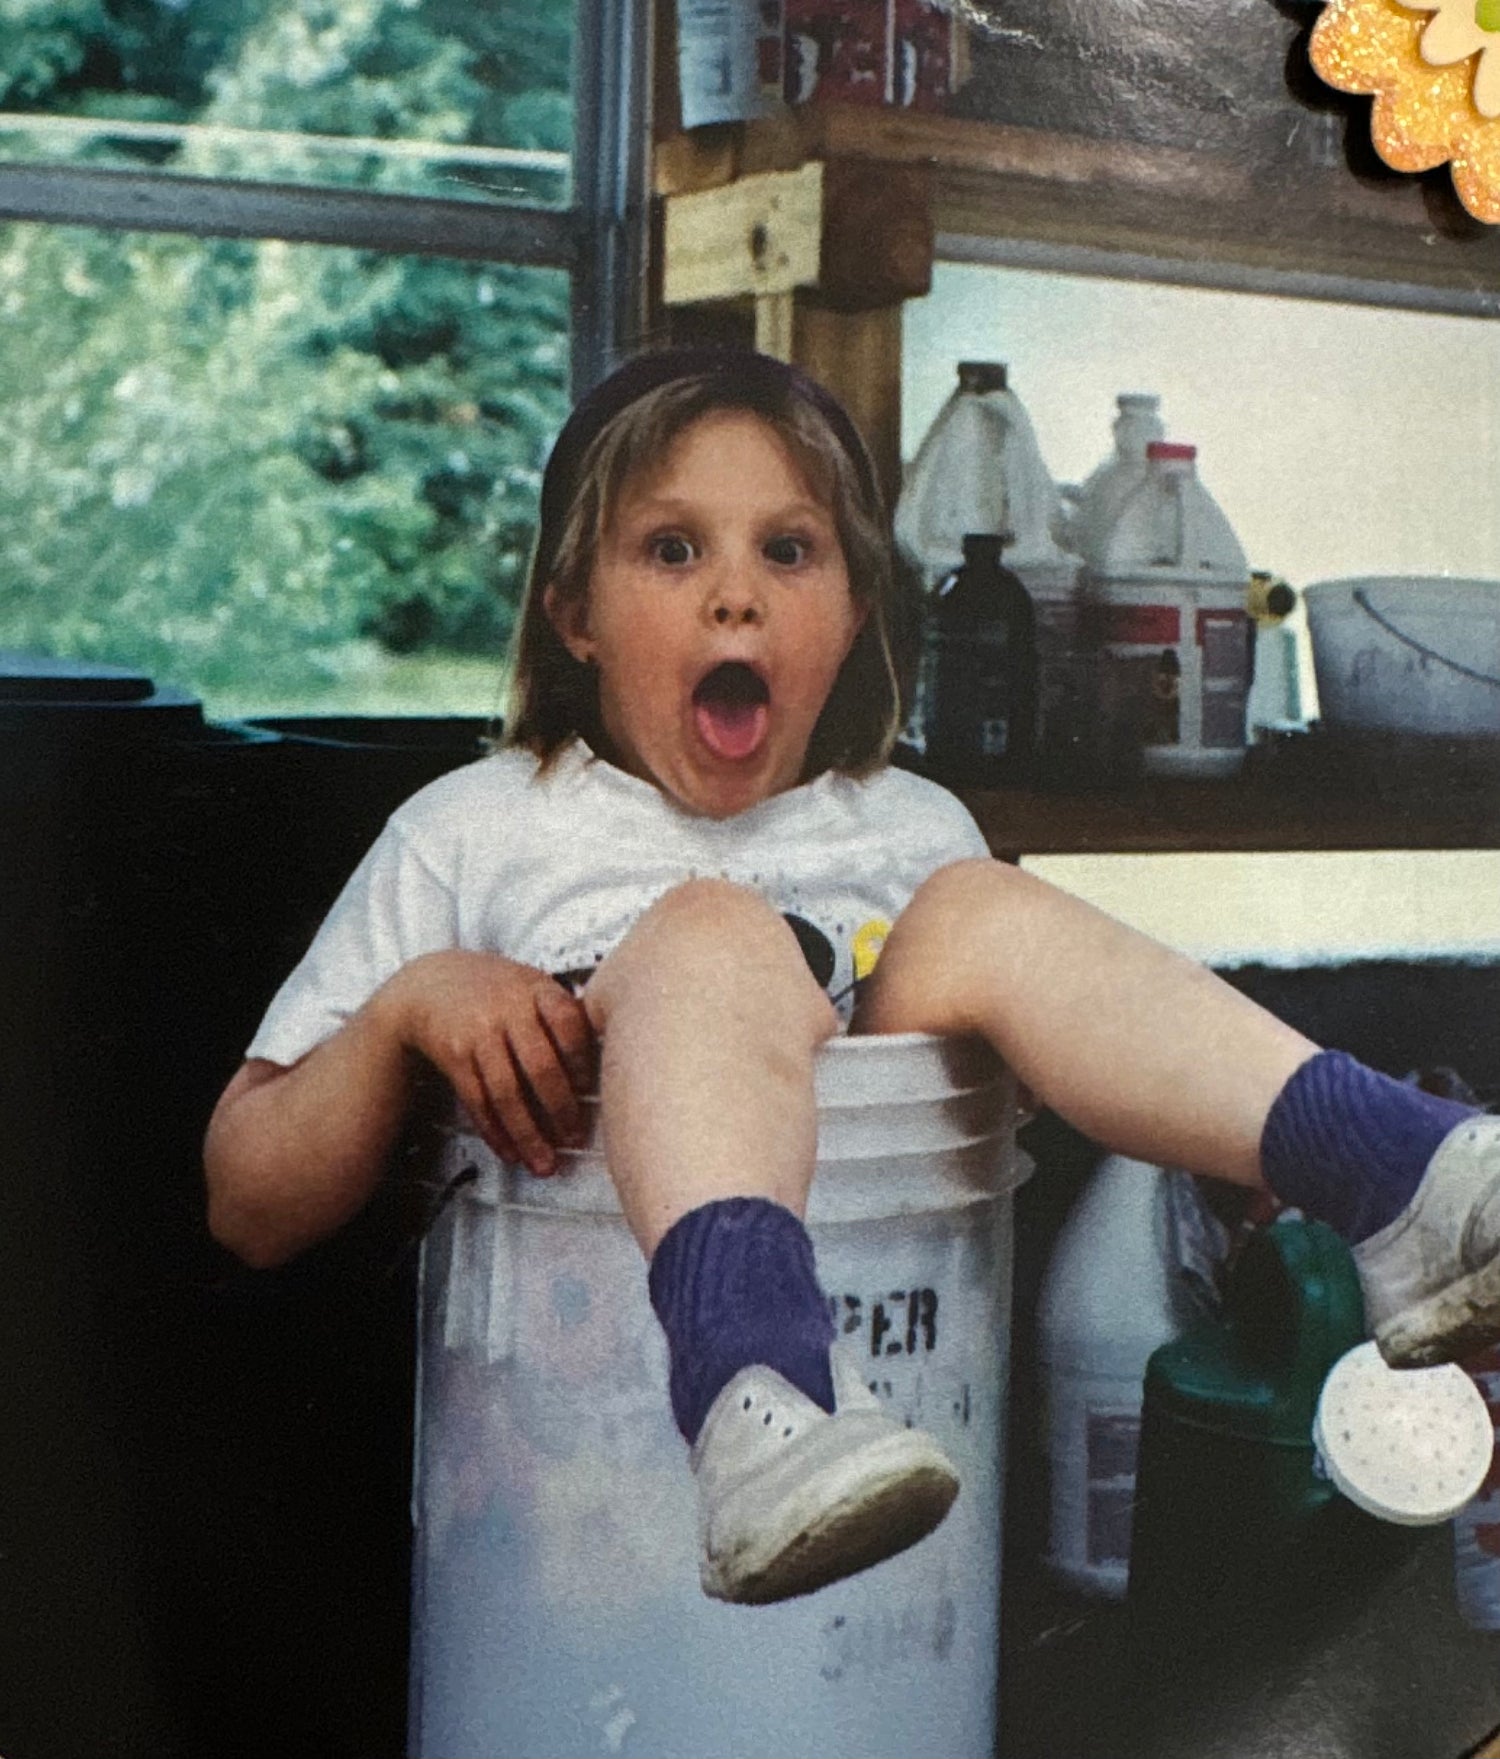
x=983 y=375
x=1409 y=1445
x=984 y=544
x=1170 y=449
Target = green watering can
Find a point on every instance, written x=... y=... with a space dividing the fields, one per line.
x=1232 y=1508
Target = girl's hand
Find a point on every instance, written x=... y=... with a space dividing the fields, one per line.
x=516 y=1047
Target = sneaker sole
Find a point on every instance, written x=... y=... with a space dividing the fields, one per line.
x=1454 y=1323
x=902 y=1494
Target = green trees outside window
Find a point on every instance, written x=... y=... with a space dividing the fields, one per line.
x=284 y=475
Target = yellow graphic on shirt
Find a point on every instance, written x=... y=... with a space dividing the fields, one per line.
x=868 y=940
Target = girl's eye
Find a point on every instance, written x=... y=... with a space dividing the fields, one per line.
x=671 y=549
x=787 y=552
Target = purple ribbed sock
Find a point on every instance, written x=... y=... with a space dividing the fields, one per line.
x=733 y=1284
x=1349 y=1146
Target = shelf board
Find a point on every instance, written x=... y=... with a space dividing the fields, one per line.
x=1260 y=812
x=1000 y=181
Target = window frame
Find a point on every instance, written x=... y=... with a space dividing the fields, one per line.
x=599 y=239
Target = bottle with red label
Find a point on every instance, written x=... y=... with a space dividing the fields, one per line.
x=1166 y=615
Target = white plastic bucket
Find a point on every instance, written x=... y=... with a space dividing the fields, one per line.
x=1407 y=654
x=555 y=1596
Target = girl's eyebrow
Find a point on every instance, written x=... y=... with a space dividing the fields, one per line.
x=648 y=506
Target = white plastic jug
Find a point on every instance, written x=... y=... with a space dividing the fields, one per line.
x=1112 y=1294
x=1166 y=608
x=1092 y=507
x=556 y=1606
x=979 y=469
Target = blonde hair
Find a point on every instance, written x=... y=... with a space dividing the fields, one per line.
x=554 y=697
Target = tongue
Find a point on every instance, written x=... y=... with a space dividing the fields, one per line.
x=731 y=730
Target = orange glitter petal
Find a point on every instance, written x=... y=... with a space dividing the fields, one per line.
x=1418 y=126
x=1476 y=173
x=1423 y=115
x=1365 y=46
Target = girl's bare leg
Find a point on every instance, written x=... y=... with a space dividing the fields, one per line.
x=1140 y=1048
x=709 y=1020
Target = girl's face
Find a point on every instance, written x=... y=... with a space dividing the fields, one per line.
x=718 y=616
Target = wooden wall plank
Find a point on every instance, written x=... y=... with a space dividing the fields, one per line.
x=758 y=235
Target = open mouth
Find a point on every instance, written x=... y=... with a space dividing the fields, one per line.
x=732 y=710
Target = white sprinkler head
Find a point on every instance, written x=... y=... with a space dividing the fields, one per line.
x=1409 y=1445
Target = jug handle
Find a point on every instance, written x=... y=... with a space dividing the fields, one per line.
x=1294 y=1301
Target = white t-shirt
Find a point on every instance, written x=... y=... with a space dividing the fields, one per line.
x=553 y=869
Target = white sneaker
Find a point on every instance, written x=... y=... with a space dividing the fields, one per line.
x=1432 y=1276
x=791 y=1498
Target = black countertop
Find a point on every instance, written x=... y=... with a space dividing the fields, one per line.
x=1375 y=1664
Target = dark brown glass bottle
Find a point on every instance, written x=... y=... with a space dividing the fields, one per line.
x=981 y=721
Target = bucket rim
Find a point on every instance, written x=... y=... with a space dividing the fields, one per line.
x=839 y=1103
x=864 y=1187
x=843 y=1041
x=1338 y=592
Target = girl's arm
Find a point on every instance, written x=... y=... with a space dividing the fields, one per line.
x=293 y=1153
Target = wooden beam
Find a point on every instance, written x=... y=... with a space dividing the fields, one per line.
x=861 y=234
x=877 y=235
x=759 y=235
x=1000 y=180
x=857 y=355
x=775 y=324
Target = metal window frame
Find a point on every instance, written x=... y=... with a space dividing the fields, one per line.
x=611 y=182
x=599 y=240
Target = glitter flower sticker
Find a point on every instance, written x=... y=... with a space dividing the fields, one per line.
x=1459 y=29
x=1433 y=67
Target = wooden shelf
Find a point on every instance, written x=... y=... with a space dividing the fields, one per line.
x=1262 y=812
x=949 y=145
x=994 y=180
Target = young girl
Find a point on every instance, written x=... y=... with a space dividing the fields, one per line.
x=675 y=879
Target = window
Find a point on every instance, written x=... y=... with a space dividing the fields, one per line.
x=292 y=300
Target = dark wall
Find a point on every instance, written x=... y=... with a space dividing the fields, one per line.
x=204 y=1471
x=1266 y=154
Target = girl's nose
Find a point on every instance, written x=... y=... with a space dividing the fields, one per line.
x=732 y=600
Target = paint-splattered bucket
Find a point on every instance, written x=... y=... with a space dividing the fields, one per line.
x=556 y=1600
x=1402 y=654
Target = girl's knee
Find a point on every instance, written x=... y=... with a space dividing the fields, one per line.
x=706 y=920
x=709 y=941
x=962 y=892
x=923 y=981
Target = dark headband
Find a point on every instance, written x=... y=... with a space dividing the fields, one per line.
x=742 y=378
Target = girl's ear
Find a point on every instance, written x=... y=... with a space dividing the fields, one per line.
x=569 y=616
